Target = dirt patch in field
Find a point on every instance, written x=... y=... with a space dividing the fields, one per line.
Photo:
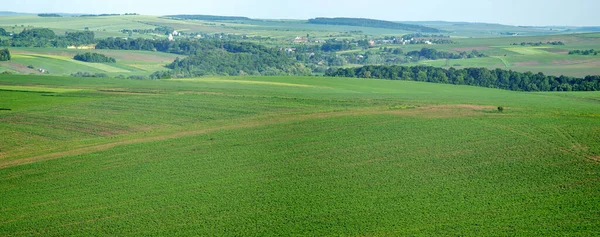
x=463 y=106
x=199 y=93
x=432 y=111
x=527 y=63
x=22 y=68
x=555 y=50
x=595 y=158
x=569 y=62
x=126 y=92
x=471 y=48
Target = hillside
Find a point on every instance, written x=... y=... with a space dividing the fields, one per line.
x=280 y=156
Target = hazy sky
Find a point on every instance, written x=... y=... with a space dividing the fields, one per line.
x=513 y=12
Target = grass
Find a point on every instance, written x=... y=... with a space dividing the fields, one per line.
x=294 y=156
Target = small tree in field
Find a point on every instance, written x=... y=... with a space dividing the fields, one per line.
x=4 y=55
x=500 y=109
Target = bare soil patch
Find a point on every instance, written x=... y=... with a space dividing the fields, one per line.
x=569 y=62
x=471 y=48
x=527 y=63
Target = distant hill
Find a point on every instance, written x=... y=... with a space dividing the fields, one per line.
x=587 y=29
x=208 y=17
x=372 y=23
x=6 y=13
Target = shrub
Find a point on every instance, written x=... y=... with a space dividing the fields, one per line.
x=500 y=109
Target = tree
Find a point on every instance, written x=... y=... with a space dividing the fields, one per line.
x=500 y=109
x=4 y=55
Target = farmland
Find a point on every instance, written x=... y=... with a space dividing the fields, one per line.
x=280 y=34
x=294 y=156
x=204 y=125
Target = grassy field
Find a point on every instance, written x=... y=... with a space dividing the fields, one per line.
x=294 y=156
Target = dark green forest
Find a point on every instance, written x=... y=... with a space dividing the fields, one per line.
x=48 y=15
x=43 y=37
x=584 y=52
x=372 y=23
x=428 y=53
x=94 y=58
x=497 y=78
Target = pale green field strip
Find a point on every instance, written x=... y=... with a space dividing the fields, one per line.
x=38 y=89
x=528 y=50
x=100 y=66
x=245 y=82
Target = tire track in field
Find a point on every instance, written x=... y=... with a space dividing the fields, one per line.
x=434 y=111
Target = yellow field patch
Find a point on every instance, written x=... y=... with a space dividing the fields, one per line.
x=148 y=67
x=528 y=50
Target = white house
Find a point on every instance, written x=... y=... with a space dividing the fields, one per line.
x=171 y=37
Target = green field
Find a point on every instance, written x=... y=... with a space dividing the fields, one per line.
x=60 y=62
x=304 y=156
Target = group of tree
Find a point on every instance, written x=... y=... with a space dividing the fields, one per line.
x=96 y=15
x=43 y=37
x=49 y=15
x=87 y=74
x=4 y=55
x=372 y=23
x=215 y=57
x=94 y=58
x=498 y=78
x=3 y=32
x=163 y=30
x=236 y=58
x=336 y=45
x=584 y=52
x=539 y=43
x=429 y=53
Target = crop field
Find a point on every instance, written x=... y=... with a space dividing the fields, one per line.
x=294 y=156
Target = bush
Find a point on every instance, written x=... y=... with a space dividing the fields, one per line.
x=500 y=109
x=4 y=55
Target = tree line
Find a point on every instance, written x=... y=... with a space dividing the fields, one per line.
x=372 y=23
x=497 y=78
x=43 y=37
x=539 y=43
x=49 y=15
x=429 y=53
x=584 y=52
x=94 y=58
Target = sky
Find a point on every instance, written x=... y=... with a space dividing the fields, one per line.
x=510 y=12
